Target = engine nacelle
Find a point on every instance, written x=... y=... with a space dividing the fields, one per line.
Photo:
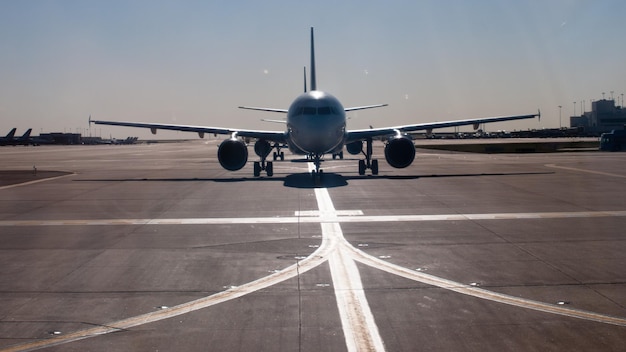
x=400 y=151
x=262 y=148
x=355 y=148
x=232 y=154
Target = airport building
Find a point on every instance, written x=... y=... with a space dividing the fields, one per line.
x=604 y=116
x=61 y=138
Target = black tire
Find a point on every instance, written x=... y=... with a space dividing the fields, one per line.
x=361 y=167
x=269 y=168
x=257 y=169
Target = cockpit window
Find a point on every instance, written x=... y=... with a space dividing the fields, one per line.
x=324 y=110
x=310 y=110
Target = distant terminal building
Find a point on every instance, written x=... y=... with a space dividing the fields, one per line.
x=61 y=138
x=603 y=117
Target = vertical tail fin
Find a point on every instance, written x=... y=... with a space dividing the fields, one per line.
x=313 y=83
x=26 y=134
x=11 y=134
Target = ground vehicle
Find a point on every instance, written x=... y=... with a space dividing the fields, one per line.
x=613 y=141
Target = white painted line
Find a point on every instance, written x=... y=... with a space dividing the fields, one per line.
x=319 y=213
x=324 y=216
x=475 y=291
x=359 y=327
x=35 y=181
x=316 y=258
x=596 y=172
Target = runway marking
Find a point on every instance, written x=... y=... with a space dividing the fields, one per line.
x=585 y=170
x=316 y=258
x=322 y=217
x=473 y=290
x=320 y=213
x=359 y=326
x=35 y=181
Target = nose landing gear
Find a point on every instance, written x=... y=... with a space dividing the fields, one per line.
x=318 y=172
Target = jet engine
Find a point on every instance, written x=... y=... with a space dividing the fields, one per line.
x=400 y=151
x=232 y=154
x=262 y=148
x=355 y=148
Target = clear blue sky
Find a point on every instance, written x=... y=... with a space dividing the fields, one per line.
x=194 y=62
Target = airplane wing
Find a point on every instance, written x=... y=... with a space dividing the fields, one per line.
x=274 y=136
x=355 y=135
x=283 y=111
x=364 y=107
x=274 y=121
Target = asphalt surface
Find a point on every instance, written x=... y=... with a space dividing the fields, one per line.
x=156 y=248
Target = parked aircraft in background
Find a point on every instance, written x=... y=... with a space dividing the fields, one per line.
x=24 y=139
x=8 y=138
x=315 y=127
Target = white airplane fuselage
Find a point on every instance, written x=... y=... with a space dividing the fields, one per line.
x=316 y=124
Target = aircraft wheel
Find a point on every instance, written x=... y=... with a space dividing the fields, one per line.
x=275 y=156
x=282 y=156
x=375 y=167
x=341 y=155
x=269 y=168
x=361 y=167
x=257 y=169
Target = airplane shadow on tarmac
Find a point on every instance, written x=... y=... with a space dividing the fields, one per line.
x=305 y=180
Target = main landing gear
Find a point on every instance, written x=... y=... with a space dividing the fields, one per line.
x=368 y=163
x=263 y=165
x=263 y=148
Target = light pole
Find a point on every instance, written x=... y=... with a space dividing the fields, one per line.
x=582 y=110
x=574 y=109
x=560 y=116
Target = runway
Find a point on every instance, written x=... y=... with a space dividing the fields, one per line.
x=155 y=247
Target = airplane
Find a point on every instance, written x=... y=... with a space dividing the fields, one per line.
x=6 y=140
x=24 y=139
x=315 y=127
